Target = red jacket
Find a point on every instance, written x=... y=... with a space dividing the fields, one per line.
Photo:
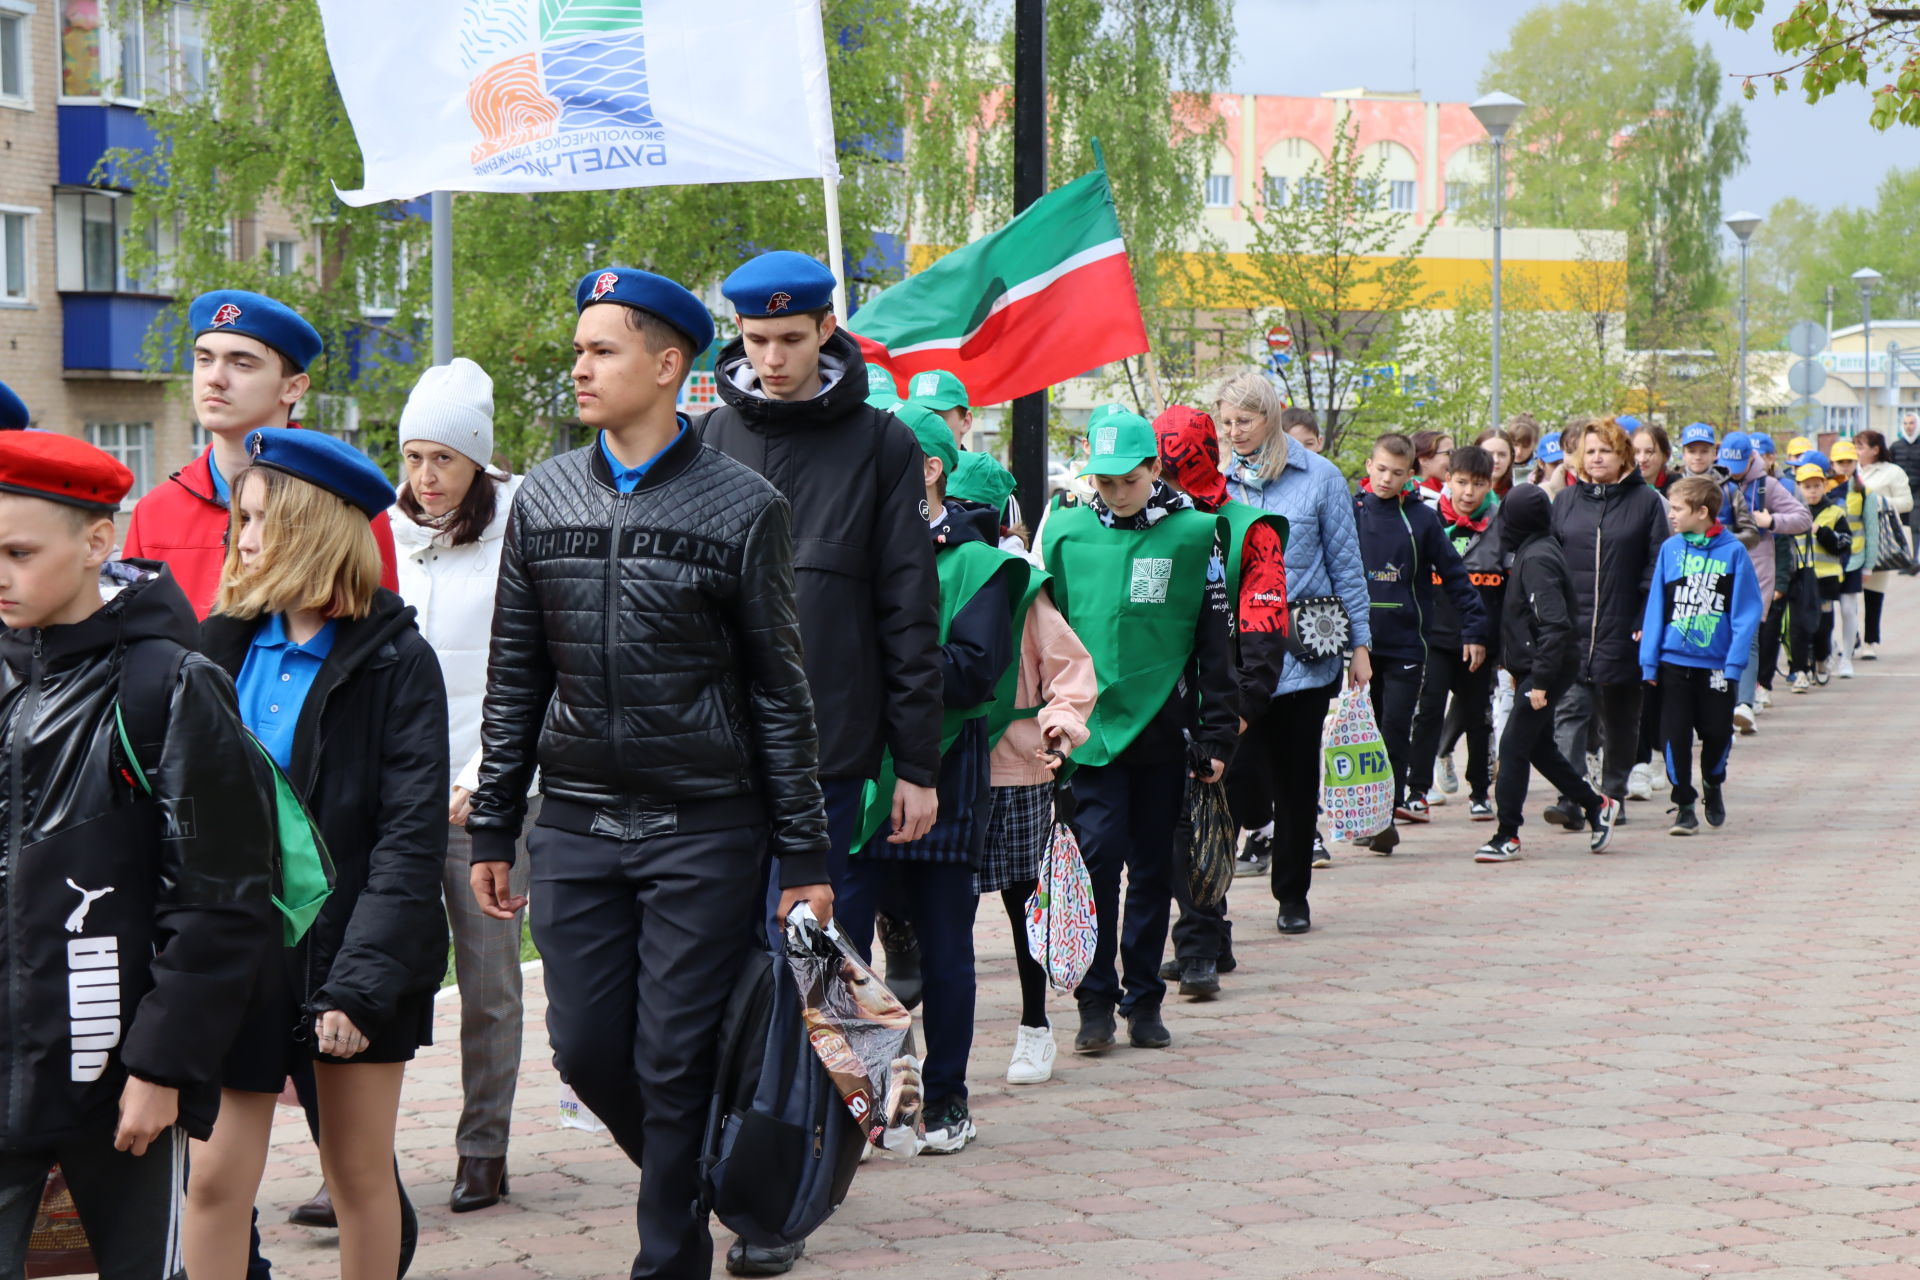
x=182 y=523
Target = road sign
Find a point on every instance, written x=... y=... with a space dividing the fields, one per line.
x=1806 y=377
x=1806 y=417
x=1807 y=339
x=1280 y=338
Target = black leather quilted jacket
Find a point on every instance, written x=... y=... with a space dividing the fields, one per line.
x=646 y=658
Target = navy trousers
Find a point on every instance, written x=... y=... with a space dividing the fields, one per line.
x=843 y=796
x=642 y=940
x=937 y=898
x=1124 y=819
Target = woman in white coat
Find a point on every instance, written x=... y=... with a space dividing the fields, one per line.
x=1886 y=481
x=448 y=523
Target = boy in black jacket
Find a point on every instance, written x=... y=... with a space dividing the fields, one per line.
x=1470 y=517
x=1537 y=648
x=1405 y=553
x=138 y=886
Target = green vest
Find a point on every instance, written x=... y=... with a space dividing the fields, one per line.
x=1133 y=596
x=962 y=570
x=1240 y=517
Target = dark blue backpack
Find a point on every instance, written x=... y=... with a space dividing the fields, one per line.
x=781 y=1147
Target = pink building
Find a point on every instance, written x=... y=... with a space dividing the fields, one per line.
x=1433 y=151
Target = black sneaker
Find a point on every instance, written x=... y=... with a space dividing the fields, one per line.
x=1322 y=856
x=1563 y=814
x=1201 y=981
x=949 y=1127
x=1684 y=822
x=1499 y=849
x=1173 y=970
x=1145 y=1030
x=1226 y=963
x=1713 y=802
x=1097 y=1028
x=1602 y=821
x=745 y=1259
x=1386 y=842
x=1255 y=857
x=1480 y=811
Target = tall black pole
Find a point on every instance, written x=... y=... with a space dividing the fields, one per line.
x=1029 y=454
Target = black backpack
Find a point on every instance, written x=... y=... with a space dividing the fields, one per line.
x=781 y=1147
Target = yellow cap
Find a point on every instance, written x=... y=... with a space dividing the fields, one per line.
x=1844 y=451
x=1811 y=471
x=1797 y=446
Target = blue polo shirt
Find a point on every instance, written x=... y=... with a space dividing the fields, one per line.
x=219 y=481
x=274 y=681
x=625 y=478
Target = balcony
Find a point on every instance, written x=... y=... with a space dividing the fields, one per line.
x=88 y=132
x=104 y=333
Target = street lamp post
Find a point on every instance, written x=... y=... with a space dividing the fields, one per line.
x=1743 y=225
x=1868 y=280
x=1496 y=113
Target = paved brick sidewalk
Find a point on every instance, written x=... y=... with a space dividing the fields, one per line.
x=1684 y=1058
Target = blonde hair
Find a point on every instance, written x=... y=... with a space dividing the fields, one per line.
x=1254 y=393
x=316 y=552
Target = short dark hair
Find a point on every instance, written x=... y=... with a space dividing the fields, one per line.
x=1427 y=443
x=1874 y=438
x=466 y=522
x=1695 y=493
x=658 y=335
x=1396 y=444
x=1296 y=417
x=1471 y=460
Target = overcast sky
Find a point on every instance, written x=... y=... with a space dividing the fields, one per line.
x=1826 y=154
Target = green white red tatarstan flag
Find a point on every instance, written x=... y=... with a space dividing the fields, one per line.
x=1044 y=299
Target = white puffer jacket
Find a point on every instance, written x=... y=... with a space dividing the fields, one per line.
x=452 y=588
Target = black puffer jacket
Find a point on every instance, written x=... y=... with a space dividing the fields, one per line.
x=1902 y=453
x=646 y=657
x=1536 y=610
x=869 y=600
x=1612 y=535
x=370 y=759
x=176 y=890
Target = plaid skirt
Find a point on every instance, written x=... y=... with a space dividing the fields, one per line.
x=1017 y=833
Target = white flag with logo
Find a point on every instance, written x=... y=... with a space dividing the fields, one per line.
x=580 y=95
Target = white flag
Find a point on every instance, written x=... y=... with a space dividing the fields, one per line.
x=580 y=95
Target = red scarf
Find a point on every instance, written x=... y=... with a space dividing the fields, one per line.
x=1477 y=523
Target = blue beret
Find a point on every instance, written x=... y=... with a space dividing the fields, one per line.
x=779 y=283
x=655 y=295
x=1696 y=433
x=257 y=316
x=13 y=410
x=326 y=461
x=1628 y=423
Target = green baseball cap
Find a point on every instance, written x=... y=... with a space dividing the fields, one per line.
x=1118 y=440
x=937 y=389
x=880 y=385
x=980 y=478
x=933 y=433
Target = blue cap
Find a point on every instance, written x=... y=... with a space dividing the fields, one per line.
x=257 y=316
x=1548 y=450
x=1736 y=451
x=1813 y=457
x=1628 y=423
x=1762 y=443
x=655 y=295
x=13 y=410
x=1696 y=433
x=778 y=283
x=326 y=461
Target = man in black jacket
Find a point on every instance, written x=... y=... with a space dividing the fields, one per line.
x=137 y=883
x=646 y=658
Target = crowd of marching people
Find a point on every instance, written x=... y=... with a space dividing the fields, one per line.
x=672 y=686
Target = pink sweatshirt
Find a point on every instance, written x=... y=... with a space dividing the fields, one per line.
x=1056 y=666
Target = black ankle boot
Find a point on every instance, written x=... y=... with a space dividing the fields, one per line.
x=1145 y=1030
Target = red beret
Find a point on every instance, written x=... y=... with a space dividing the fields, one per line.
x=45 y=464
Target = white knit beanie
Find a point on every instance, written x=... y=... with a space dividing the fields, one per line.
x=452 y=404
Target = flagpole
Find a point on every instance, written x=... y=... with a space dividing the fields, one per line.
x=836 y=254
x=440 y=211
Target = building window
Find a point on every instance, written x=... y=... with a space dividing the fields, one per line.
x=131 y=443
x=381 y=292
x=1844 y=419
x=127 y=51
x=1276 y=191
x=16 y=255
x=16 y=89
x=1313 y=191
x=1219 y=190
x=1402 y=195
x=87 y=228
x=283 y=257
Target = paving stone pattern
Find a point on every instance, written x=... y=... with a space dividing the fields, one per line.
x=1686 y=1057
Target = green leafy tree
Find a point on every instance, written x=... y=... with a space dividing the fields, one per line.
x=1345 y=273
x=1624 y=130
x=1835 y=43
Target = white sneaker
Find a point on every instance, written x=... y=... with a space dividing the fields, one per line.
x=1640 y=782
x=1436 y=797
x=1844 y=668
x=1449 y=776
x=1865 y=653
x=1033 y=1054
x=1801 y=684
x=1744 y=720
x=1660 y=782
x=1765 y=699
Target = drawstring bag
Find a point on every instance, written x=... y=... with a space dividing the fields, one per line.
x=1061 y=930
x=1210 y=838
x=1356 y=779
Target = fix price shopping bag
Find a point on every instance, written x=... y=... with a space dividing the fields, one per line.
x=1356 y=779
